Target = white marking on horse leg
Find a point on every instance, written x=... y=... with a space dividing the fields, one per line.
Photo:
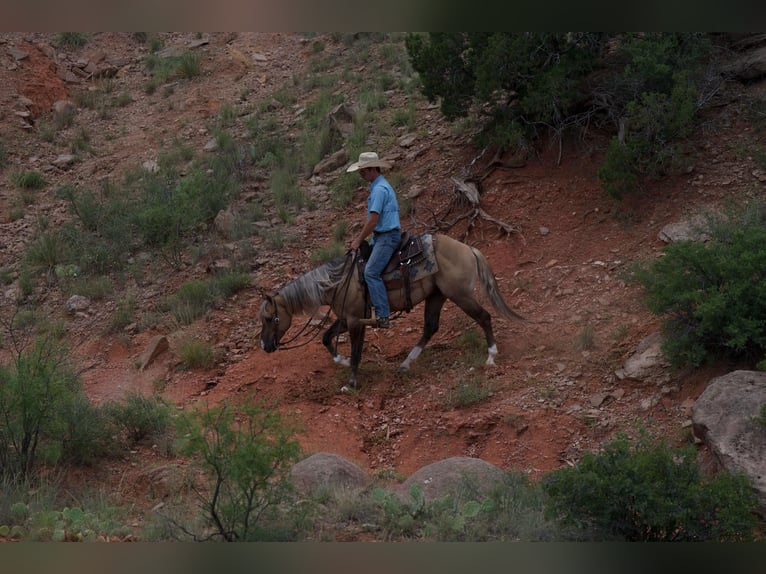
x=491 y=354
x=414 y=354
x=341 y=360
x=351 y=386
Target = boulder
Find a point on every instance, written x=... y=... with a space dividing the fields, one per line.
x=725 y=418
x=459 y=477
x=327 y=471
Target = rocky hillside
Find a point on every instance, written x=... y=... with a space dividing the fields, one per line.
x=559 y=246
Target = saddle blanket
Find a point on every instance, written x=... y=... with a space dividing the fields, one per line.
x=424 y=266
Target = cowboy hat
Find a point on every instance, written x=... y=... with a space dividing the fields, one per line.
x=368 y=159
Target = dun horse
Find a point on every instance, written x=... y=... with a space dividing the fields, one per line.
x=336 y=284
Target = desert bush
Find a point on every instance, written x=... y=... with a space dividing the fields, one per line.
x=196 y=354
x=530 y=86
x=648 y=491
x=88 y=433
x=343 y=188
x=328 y=252
x=760 y=418
x=164 y=69
x=711 y=295
x=246 y=454
x=37 y=390
x=46 y=251
x=191 y=301
x=71 y=39
x=123 y=314
x=656 y=125
x=140 y=417
x=194 y=298
x=468 y=391
x=28 y=179
x=513 y=511
x=231 y=282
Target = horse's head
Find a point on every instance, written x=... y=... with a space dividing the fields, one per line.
x=275 y=321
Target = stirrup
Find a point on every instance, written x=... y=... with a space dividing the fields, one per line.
x=372 y=321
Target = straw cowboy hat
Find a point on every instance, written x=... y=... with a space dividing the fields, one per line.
x=368 y=159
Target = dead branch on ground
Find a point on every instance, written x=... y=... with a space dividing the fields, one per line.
x=468 y=191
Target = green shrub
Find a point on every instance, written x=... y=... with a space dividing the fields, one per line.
x=656 y=124
x=29 y=180
x=711 y=296
x=468 y=391
x=619 y=174
x=88 y=433
x=46 y=251
x=196 y=354
x=163 y=69
x=650 y=492
x=191 y=301
x=343 y=188
x=231 y=282
x=531 y=86
x=123 y=314
x=513 y=510
x=37 y=390
x=246 y=453
x=760 y=418
x=71 y=39
x=140 y=417
x=329 y=252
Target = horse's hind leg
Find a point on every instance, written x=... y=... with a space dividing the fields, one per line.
x=479 y=314
x=434 y=303
x=330 y=338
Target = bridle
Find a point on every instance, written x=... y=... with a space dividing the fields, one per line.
x=282 y=346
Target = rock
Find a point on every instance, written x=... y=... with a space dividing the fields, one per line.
x=77 y=303
x=407 y=140
x=647 y=362
x=332 y=162
x=749 y=67
x=158 y=345
x=683 y=231
x=457 y=477
x=63 y=107
x=723 y=417
x=64 y=160
x=326 y=470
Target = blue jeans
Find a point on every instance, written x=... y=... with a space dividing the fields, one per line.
x=383 y=247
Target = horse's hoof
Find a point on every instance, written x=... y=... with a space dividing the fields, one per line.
x=347 y=388
x=404 y=368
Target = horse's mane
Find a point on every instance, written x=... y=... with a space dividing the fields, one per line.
x=307 y=292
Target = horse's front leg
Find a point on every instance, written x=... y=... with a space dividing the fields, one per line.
x=356 y=334
x=330 y=339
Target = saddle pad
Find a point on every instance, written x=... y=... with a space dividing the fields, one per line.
x=426 y=266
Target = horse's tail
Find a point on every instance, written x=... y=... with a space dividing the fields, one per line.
x=490 y=288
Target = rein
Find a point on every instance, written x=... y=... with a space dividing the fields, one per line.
x=321 y=324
